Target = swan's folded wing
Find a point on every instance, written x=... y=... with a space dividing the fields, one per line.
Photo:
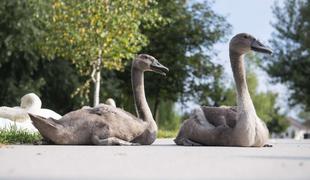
x=105 y=109
x=14 y=114
x=120 y=123
x=221 y=115
x=46 y=113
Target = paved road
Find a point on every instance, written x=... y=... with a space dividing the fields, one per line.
x=287 y=159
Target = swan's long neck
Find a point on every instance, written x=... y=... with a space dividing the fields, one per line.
x=245 y=131
x=244 y=100
x=142 y=107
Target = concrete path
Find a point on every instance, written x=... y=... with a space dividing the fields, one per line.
x=287 y=159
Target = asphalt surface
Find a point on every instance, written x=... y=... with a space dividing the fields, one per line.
x=287 y=159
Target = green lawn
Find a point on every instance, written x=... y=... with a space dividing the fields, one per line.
x=167 y=133
x=13 y=135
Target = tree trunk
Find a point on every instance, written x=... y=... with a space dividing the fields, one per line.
x=96 y=76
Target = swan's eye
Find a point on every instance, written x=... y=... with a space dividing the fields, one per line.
x=246 y=37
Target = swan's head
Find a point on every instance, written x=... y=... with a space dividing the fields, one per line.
x=30 y=102
x=110 y=102
x=243 y=43
x=145 y=62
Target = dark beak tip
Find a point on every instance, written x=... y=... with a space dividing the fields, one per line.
x=165 y=71
x=269 y=51
x=259 y=47
x=160 y=69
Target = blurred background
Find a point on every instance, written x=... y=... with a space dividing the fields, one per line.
x=53 y=48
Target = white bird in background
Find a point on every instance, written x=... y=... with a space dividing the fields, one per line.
x=18 y=116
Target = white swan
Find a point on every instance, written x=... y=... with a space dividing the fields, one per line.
x=26 y=125
x=18 y=116
x=30 y=103
x=109 y=102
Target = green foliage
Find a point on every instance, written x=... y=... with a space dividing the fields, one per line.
x=168 y=119
x=216 y=92
x=266 y=109
x=19 y=33
x=290 y=63
x=61 y=80
x=167 y=133
x=77 y=30
x=83 y=31
x=184 y=43
x=25 y=35
x=277 y=123
x=13 y=135
x=181 y=35
x=22 y=70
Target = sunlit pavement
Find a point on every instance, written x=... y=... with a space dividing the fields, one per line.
x=287 y=159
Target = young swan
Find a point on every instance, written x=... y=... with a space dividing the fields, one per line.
x=229 y=126
x=105 y=124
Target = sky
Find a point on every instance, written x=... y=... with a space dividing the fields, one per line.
x=253 y=17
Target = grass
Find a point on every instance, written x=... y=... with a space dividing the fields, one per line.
x=162 y=133
x=12 y=135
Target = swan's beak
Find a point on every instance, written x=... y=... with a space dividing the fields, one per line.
x=159 y=68
x=257 y=46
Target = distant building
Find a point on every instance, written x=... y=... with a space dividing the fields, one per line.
x=296 y=130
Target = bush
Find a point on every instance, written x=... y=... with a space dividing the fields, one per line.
x=167 y=133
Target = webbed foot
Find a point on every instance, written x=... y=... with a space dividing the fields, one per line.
x=112 y=141
x=188 y=142
x=267 y=145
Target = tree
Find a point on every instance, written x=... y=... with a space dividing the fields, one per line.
x=290 y=63
x=168 y=118
x=53 y=95
x=19 y=33
x=96 y=33
x=23 y=68
x=185 y=45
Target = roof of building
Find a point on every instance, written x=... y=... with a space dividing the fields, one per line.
x=295 y=123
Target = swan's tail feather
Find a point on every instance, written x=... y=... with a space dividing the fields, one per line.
x=48 y=128
x=196 y=120
x=179 y=140
x=41 y=122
